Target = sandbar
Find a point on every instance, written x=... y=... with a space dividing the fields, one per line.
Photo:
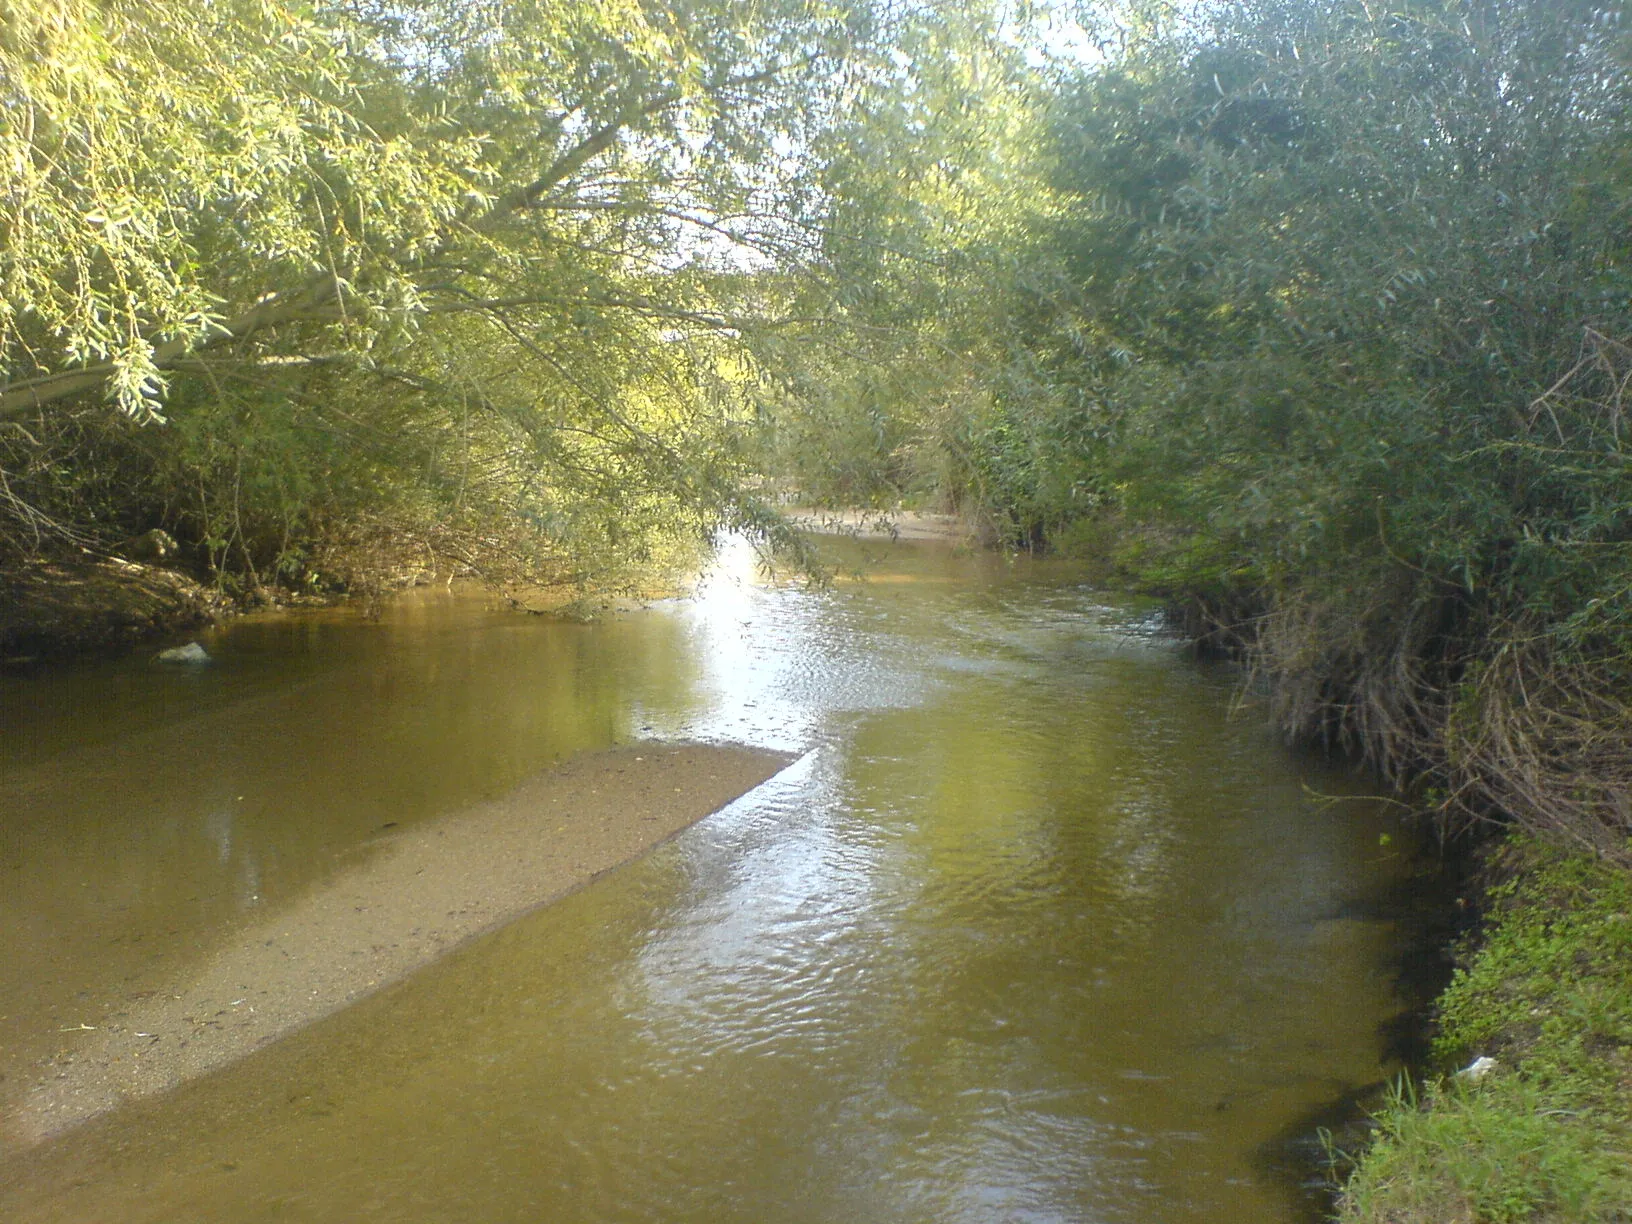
x=408 y=898
x=881 y=524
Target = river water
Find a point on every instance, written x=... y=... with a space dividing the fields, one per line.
x=1034 y=929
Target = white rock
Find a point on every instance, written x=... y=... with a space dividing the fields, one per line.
x=1477 y=1069
x=190 y=653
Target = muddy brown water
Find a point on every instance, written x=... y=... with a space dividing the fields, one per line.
x=1033 y=929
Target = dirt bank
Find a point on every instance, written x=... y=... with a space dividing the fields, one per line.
x=53 y=610
x=397 y=904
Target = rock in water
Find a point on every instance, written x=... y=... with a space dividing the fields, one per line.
x=190 y=653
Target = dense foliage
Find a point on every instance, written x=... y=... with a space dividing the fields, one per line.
x=931 y=271
x=1373 y=302
x=1316 y=317
x=315 y=284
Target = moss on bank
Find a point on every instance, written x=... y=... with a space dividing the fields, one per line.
x=1542 y=1134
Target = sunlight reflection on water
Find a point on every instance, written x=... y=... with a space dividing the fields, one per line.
x=1033 y=930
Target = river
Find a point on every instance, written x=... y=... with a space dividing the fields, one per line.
x=1035 y=928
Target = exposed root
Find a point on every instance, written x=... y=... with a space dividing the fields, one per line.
x=1520 y=733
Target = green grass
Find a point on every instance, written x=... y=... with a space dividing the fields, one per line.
x=1545 y=1136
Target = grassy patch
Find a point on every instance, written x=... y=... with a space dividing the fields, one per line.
x=1545 y=1135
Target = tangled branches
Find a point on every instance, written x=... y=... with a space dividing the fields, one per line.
x=1547 y=741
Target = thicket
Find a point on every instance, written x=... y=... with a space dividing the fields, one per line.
x=934 y=282
x=327 y=288
x=1376 y=379
x=1323 y=326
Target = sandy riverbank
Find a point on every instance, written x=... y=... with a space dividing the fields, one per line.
x=882 y=524
x=400 y=902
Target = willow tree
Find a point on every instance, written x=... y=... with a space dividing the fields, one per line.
x=930 y=276
x=465 y=276
x=1353 y=281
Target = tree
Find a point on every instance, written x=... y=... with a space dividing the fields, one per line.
x=1356 y=285
x=408 y=262
x=931 y=279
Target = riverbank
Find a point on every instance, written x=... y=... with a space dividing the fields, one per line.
x=389 y=907
x=881 y=524
x=52 y=610
x=56 y=610
x=1536 y=1125
x=1541 y=1133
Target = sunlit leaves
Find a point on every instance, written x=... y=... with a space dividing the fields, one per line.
x=523 y=232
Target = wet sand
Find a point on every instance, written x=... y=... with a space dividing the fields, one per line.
x=396 y=904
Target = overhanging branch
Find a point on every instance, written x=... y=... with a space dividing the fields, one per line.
x=315 y=302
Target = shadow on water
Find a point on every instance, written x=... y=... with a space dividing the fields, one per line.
x=1041 y=931
x=1427 y=908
